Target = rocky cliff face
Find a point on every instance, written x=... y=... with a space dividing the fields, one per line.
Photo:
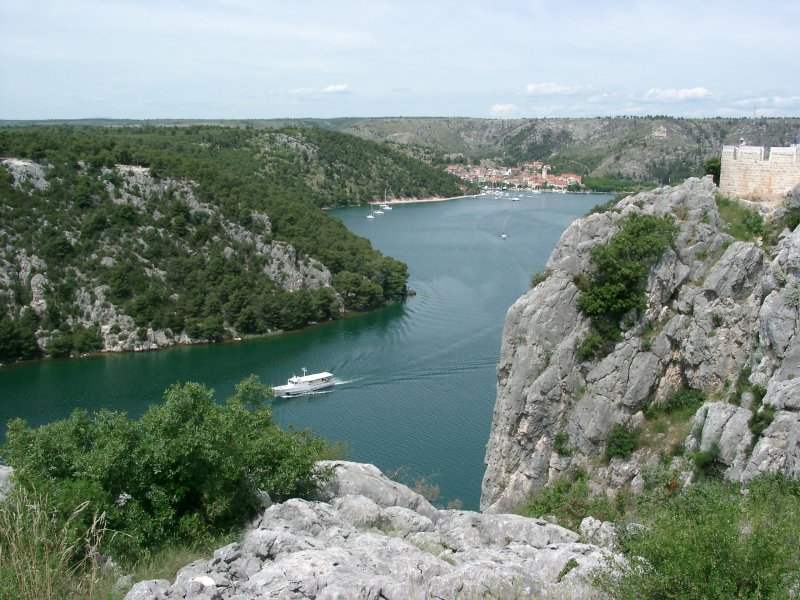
x=721 y=317
x=369 y=537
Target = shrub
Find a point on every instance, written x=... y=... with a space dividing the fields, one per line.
x=539 y=277
x=561 y=444
x=686 y=400
x=187 y=469
x=569 y=499
x=707 y=462
x=618 y=272
x=620 y=442
x=761 y=419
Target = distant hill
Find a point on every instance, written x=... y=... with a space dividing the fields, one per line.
x=661 y=149
x=131 y=237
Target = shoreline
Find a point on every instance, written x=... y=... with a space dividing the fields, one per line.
x=396 y=201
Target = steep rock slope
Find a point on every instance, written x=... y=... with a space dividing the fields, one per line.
x=718 y=311
x=370 y=537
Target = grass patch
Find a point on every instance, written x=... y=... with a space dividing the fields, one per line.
x=744 y=223
x=711 y=541
x=571 y=564
x=44 y=557
x=682 y=404
x=167 y=561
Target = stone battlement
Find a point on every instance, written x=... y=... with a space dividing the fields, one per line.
x=747 y=173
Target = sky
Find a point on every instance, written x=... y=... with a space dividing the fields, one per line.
x=262 y=59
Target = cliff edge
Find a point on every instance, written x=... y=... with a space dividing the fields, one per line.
x=721 y=319
x=370 y=537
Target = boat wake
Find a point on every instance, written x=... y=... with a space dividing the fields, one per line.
x=346 y=381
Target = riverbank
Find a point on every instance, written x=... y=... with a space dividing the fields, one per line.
x=396 y=201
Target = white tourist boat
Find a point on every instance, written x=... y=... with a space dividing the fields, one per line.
x=304 y=384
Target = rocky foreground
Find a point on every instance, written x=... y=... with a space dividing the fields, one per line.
x=372 y=538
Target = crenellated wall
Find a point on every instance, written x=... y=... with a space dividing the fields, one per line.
x=747 y=173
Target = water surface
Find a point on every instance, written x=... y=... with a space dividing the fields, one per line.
x=420 y=374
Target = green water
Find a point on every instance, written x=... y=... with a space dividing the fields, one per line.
x=419 y=375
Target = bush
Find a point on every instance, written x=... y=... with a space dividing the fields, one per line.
x=686 y=400
x=707 y=462
x=620 y=442
x=619 y=271
x=760 y=420
x=561 y=444
x=187 y=469
x=539 y=277
x=570 y=501
x=712 y=541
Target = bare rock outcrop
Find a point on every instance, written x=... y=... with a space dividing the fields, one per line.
x=718 y=311
x=370 y=537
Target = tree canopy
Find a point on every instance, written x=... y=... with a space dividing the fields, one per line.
x=188 y=468
x=174 y=245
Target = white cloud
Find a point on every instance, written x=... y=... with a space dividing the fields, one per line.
x=504 y=110
x=677 y=95
x=552 y=89
x=787 y=101
x=336 y=88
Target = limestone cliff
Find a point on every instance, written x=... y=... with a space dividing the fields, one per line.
x=718 y=312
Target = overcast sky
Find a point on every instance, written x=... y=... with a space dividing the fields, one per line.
x=328 y=58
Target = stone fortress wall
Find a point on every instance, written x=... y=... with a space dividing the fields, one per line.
x=746 y=172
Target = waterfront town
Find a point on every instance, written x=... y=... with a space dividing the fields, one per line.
x=531 y=175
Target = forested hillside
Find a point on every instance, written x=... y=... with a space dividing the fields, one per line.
x=662 y=149
x=137 y=237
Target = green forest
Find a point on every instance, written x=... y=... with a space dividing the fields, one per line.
x=190 y=244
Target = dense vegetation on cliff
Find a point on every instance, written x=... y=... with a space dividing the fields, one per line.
x=206 y=231
x=615 y=288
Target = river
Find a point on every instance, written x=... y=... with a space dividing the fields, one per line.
x=419 y=375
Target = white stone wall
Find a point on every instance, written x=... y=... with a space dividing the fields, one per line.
x=747 y=173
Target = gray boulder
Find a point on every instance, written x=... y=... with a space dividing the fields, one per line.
x=5 y=480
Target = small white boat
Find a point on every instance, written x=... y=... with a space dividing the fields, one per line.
x=503 y=236
x=385 y=204
x=305 y=384
x=370 y=216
